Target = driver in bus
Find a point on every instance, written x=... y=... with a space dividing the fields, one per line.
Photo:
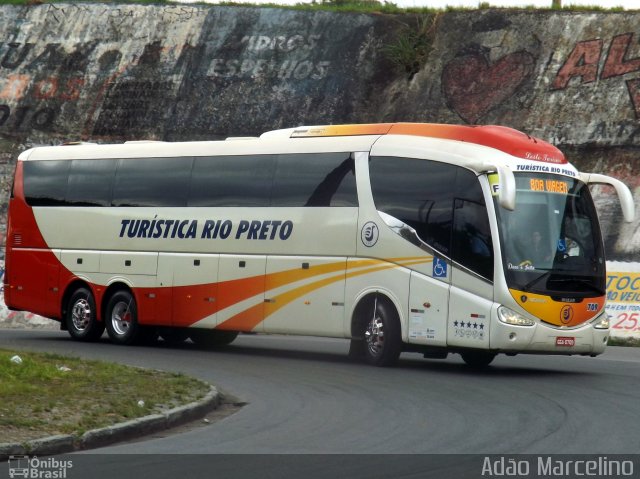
x=539 y=250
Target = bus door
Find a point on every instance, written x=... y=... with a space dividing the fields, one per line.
x=471 y=297
x=409 y=230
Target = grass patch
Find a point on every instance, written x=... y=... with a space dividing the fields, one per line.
x=632 y=342
x=412 y=45
x=49 y=394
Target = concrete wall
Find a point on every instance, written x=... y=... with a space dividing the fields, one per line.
x=115 y=72
x=107 y=72
x=571 y=78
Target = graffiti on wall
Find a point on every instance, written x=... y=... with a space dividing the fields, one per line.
x=134 y=92
x=151 y=92
x=265 y=59
x=119 y=14
x=588 y=63
x=35 y=82
x=473 y=86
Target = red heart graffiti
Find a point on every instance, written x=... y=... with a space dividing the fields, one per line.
x=472 y=86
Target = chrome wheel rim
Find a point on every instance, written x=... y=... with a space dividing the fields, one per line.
x=374 y=335
x=81 y=315
x=121 y=318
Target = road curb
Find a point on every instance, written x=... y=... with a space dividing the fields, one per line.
x=124 y=431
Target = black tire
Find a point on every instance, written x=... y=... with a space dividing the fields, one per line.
x=81 y=316
x=383 y=342
x=357 y=349
x=212 y=338
x=478 y=359
x=122 y=318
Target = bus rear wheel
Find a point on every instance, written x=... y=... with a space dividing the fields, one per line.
x=382 y=335
x=81 y=318
x=212 y=338
x=122 y=318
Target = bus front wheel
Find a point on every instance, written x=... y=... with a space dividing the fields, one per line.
x=81 y=318
x=122 y=318
x=477 y=359
x=382 y=335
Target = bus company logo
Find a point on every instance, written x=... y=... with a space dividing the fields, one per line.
x=369 y=234
x=49 y=468
x=566 y=314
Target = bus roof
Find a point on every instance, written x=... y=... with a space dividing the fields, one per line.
x=356 y=137
x=508 y=140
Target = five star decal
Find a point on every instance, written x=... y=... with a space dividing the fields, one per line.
x=462 y=324
x=469 y=330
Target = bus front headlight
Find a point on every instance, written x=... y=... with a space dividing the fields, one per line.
x=508 y=316
x=601 y=322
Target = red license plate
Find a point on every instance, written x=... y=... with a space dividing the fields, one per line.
x=565 y=341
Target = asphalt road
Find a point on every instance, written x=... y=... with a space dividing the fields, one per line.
x=304 y=396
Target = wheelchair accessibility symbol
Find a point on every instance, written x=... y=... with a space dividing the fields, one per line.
x=439 y=268
x=562 y=246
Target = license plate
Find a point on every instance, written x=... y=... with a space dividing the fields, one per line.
x=565 y=341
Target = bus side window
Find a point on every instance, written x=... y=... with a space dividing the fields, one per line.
x=90 y=182
x=232 y=180
x=472 y=244
x=314 y=180
x=152 y=182
x=45 y=182
x=419 y=193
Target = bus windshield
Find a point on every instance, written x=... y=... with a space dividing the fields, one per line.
x=551 y=241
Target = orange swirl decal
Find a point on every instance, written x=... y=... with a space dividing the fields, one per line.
x=251 y=317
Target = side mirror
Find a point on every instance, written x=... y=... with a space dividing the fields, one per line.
x=623 y=192
x=507 y=192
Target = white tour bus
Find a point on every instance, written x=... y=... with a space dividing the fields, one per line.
x=400 y=237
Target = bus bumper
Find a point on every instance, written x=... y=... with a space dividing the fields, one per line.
x=543 y=338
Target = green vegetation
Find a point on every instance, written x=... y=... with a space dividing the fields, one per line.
x=413 y=43
x=624 y=342
x=48 y=394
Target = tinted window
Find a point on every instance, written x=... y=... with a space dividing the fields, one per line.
x=232 y=181
x=472 y=245
x=152 y=182
x=262 y=180
x=418 y=193
x=45 y=182
x=323 y=179
x=90 y=182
